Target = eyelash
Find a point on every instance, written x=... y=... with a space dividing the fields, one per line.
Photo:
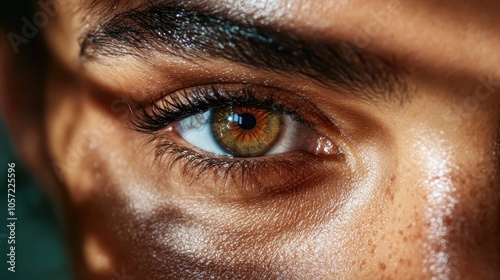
x=197 y=100
x=155 y=118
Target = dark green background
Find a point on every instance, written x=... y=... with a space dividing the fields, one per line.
x=39 y=250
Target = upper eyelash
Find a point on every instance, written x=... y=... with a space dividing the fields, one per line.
x=198 y=100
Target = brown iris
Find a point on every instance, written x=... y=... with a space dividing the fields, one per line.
x=244 y=131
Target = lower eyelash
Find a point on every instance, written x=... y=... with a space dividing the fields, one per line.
x=245 y=174
x=199 y=163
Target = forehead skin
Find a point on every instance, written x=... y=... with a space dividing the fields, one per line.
x=425 y=203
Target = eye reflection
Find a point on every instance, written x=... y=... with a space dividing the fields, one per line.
x=246 y=132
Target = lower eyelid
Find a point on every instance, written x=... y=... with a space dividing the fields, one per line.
x=256 y=178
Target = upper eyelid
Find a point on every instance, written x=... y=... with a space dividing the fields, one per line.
x=175 y=107
x=364 y=75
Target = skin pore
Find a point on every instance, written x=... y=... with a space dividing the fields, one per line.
x=406 y=92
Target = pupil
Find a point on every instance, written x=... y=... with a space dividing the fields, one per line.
x=247 y=121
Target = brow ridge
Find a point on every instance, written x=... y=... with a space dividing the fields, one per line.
x=177 y=30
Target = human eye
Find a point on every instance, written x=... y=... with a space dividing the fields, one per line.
x=249 y=129
x=239 y=130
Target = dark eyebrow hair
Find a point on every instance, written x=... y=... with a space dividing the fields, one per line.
x=185 y=32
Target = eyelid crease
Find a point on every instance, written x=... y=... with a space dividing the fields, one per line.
x=190 y=34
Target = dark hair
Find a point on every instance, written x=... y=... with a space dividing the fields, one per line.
x=11 y=12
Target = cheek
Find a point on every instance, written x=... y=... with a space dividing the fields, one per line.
x=437 y=212
x=132 y=215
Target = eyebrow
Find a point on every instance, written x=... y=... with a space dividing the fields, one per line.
x=187 y=32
